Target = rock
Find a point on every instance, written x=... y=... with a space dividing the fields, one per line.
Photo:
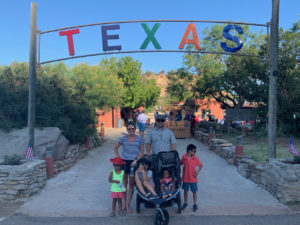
x=16 y=141
x=60 y=148
x=219 y=141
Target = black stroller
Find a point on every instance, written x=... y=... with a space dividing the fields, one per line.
x=169 y=160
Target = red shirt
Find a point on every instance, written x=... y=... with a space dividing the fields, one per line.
x=189 y=168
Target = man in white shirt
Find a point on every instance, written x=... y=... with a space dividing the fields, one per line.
x=142 y=121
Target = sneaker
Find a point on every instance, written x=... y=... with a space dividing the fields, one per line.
x=184 y=206
x=152 y=197
x=164 y=195
x=148 y=195
x=195 y=208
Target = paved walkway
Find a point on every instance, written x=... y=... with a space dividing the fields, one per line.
x=83 y=190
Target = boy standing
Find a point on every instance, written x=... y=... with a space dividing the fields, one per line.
x=190 y=172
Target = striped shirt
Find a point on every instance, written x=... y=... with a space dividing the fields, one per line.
x=131 y=149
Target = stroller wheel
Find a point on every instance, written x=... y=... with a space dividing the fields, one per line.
x=179 y=203
x=161 y=217
x=138 y=204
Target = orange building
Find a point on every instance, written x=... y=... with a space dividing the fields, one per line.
x=109 y=118
x=209 y=107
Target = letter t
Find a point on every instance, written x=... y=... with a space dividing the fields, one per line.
x=69 y=34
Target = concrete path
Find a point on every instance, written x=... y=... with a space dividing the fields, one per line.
x=84 y=190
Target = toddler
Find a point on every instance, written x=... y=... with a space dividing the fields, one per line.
x=116 y=178
x=167 y=184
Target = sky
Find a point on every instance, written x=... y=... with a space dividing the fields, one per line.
x=54 y=14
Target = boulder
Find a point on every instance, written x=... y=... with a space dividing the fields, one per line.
x=16 y=141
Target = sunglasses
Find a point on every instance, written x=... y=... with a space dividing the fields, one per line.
x=160 y=121
x=131 y=128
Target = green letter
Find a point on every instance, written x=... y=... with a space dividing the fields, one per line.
x=150 y=36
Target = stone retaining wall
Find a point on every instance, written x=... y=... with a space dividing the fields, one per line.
x=22 y=180
x=74 y=153
x=278 y=176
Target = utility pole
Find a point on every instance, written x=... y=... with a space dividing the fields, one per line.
x=272 y=108
x=32 y=76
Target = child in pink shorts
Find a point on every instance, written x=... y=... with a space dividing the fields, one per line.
x=116 y=178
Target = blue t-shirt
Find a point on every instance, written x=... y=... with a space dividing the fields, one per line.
x=131 y=149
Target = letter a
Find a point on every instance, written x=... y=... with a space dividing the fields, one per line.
x=194 y=41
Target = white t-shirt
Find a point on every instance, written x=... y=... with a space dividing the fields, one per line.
x=142 y=118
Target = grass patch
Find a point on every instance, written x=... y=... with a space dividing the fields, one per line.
x=255 y=145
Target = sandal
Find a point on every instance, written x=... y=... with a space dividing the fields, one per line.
x=112 y=214
x=129 y=211
x=122 y=213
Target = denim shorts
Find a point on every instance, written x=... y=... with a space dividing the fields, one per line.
x=142 y=127
x=126 y=166
x=192 y=186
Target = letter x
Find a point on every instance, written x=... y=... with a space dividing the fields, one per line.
x=150 y=36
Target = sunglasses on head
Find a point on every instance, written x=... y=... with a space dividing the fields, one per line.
x=160 y=121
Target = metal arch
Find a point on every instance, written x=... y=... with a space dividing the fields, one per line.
x=39 y=33
x=150 y=51
x=149 y=21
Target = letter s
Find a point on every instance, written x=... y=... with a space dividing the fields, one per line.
x=230 y=37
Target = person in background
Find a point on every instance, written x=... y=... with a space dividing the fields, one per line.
x=167 y=114
x=156 y=114
x=142 y=121
x=178 y=116
x=133 y=150
x=171 y=117
x=187 y=116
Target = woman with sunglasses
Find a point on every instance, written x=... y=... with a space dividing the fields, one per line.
x=132 y=150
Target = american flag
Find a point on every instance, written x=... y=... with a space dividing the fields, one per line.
x=29 y=152
x=292 y=147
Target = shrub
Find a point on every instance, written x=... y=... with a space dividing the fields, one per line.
x=297 y=159
x=12 y=160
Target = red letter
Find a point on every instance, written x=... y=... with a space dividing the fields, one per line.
x=69 y=34
x=195 y=39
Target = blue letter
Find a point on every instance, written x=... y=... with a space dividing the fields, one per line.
x=230 y=37
x=106 y=37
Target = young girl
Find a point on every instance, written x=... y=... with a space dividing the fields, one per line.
x=167 y=184
x=116 y=178
x=144 y=180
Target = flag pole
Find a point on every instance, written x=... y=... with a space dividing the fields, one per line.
x=32 y=75
x=272 y=107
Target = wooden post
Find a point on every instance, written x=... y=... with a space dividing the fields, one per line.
x=32 y=76
x=272 y=108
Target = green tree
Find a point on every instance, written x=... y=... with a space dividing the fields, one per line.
x=180 y=84
x=231 y=80
x=289 y=81
x=57 y=106
x=99 y=85
x=150 y=92
x=137 y=91
x=13 y=95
